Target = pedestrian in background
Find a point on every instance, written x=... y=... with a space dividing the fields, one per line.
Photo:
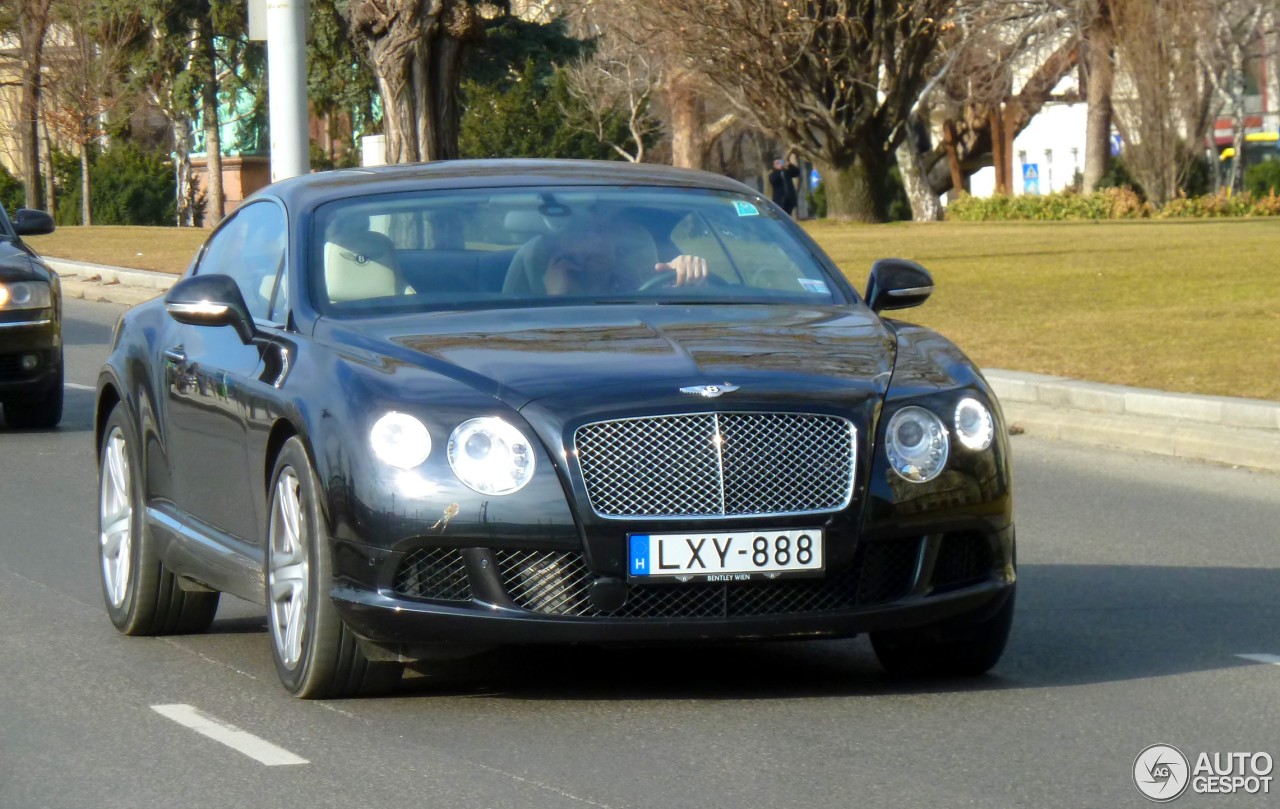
x=782 y=182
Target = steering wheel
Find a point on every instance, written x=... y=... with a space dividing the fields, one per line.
x=667 y=278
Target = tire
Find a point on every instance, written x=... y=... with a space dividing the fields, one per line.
x=316 y=655
x=142 y=598
x=41 y=413
x=957 y=648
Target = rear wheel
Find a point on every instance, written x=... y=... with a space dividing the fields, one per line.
x=957 y=648
x=142 y=598
x=41 y=413
x=316 y=656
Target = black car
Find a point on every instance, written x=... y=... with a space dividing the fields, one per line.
x=30 y=326
x=419 y=410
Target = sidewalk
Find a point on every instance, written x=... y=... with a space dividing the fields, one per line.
x=1218 y=429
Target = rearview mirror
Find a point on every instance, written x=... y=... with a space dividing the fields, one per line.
x=210 y=300
x=896 y=283
x=29 y=222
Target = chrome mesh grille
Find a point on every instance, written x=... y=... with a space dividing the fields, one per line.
x=717 y=465
x=435 y=573
x=554 y=583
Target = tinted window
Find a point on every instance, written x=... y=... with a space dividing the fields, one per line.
x=250 y=249
x=547 y=246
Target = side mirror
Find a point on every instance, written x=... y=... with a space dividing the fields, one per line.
x=896 y=283
x=28 y=222
x=210 y=300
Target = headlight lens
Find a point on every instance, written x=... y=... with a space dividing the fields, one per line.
x=25 y=295
x=975 y=428
x=490 y=456
x=400 y=440
x=917 y=444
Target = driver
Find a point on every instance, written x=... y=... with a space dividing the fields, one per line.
x=583 y=262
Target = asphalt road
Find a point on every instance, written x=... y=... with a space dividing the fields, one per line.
x=1143 y=581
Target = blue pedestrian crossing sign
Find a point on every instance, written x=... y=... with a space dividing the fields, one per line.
x=1031 y=178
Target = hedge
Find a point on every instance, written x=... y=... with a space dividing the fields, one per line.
x=1109 y=203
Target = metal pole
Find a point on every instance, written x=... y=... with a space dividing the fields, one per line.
x=287 y=88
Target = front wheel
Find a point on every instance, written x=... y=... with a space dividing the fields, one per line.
x=957 y=648
x=142 y=597
x=316 y=656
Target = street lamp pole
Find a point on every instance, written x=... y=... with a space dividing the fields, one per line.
x=287 y=88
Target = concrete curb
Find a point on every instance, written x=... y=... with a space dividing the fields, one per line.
x=1219 y=429
x=99 y=282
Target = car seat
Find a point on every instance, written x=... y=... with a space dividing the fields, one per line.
x=360 y=264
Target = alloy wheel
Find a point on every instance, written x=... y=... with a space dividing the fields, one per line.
x=288 y=568
x=115 y=518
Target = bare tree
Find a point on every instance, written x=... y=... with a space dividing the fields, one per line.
x=614 y=82
x=1163 y=103
x=1002 y=62
x=417 y=48
x=32 y=24
x=1237 y=24
x=82 y=81
x=835 y=79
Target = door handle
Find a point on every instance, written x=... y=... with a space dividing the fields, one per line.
x=177 y=355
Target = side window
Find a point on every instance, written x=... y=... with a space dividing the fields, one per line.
x=250 y=249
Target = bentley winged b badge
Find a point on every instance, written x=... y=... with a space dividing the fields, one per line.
x=709 y=391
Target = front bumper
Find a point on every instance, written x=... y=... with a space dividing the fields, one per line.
x=491 y=598
x=39 y=336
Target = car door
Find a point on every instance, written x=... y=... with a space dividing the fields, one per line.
x=214 y=379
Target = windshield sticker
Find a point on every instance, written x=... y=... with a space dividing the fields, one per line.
x=745 y=208
x=815 y=286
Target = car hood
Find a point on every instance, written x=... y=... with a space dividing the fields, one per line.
x=577 y=359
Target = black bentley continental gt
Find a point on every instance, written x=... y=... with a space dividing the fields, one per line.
x=30 y=326
x=419 y=410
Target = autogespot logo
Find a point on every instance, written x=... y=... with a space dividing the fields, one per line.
x=1160 y=772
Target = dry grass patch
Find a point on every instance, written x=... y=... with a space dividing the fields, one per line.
x=1181 y=306
x=162 y=249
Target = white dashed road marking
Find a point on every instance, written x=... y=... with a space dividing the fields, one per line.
x=241 y=741
x=78 y=386
x=1272 y=659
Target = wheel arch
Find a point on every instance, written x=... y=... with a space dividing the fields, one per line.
x=108 y=398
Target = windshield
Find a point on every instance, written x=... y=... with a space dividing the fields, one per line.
x=421 y=251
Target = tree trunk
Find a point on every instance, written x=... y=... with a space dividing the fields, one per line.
x=1100 y=69
x=216 y=204
x=29 y=126
x=185 y=188
x=85 y=207
x=925 y=205
x=851 y=186
x=417 y=55
x=48 y=172
x=1003 y=168
x=33 y=22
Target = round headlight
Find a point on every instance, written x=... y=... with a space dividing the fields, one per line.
x=490 y=456
x=400 y=440
x=20 y=294
x=917 y=444
x=974 y=426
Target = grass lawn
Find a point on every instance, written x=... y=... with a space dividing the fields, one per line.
x=1184 y=306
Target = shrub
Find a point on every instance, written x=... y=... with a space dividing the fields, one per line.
x=128 y=187
x=1109 y=203
x=1263 y=178
x=12 y=191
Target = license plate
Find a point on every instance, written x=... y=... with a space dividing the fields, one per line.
x=732 y=556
